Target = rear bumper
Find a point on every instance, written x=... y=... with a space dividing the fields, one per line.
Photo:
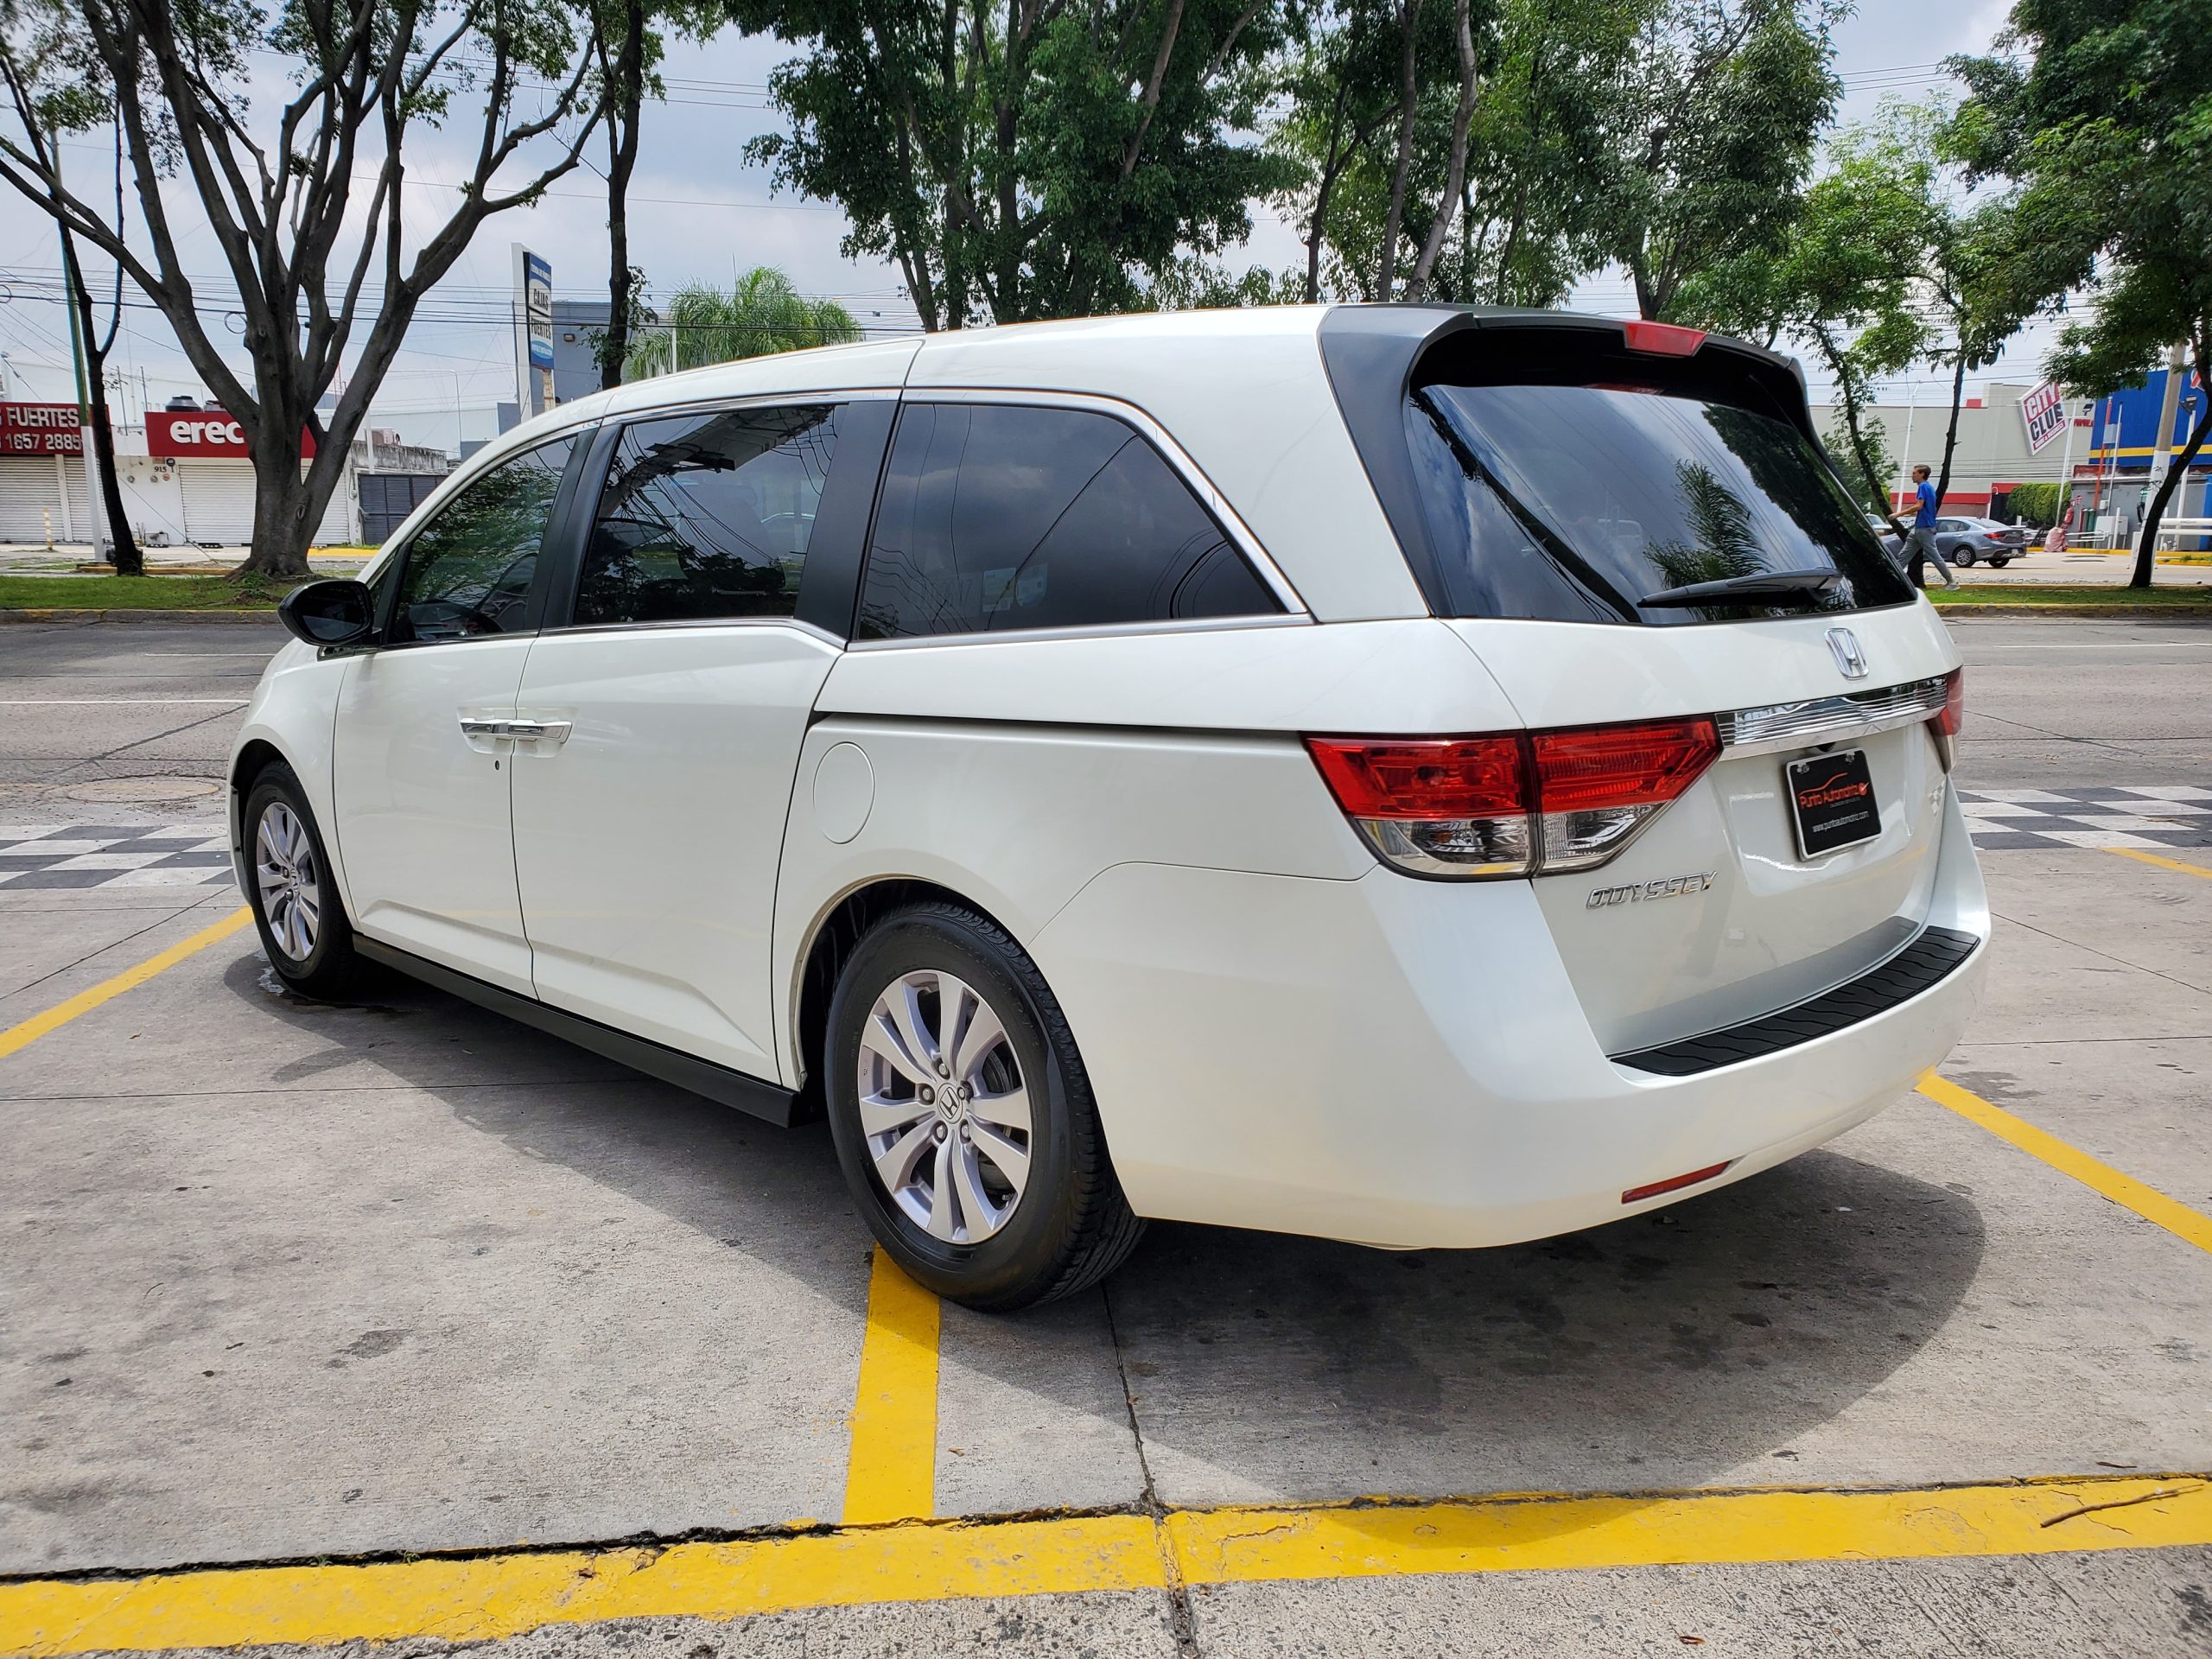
x=1405 y=1062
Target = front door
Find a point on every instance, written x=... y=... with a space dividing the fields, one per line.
x=422 y=764
x=649 y=816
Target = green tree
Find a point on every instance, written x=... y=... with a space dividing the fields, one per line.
x=1497 y=206
x=760 y=313
x=2101 y=111
x=1044 y=158
x=1712 y=134
x=300 y=202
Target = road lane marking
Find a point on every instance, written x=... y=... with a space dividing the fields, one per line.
x=892 y=1474
x=17 y=1037
x=2141 y=857
x=2125 y=1190
x=488 y=1597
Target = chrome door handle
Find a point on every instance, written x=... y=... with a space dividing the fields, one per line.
x=471 y=727
x=538 y=731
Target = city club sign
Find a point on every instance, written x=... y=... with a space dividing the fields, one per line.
x=205 y=434
x=40 y=430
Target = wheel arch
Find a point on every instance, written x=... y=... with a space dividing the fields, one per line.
x=836 y=933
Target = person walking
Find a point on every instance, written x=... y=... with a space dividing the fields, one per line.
x=1921 y=547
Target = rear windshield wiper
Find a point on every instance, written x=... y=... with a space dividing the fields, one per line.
x=1749 y=590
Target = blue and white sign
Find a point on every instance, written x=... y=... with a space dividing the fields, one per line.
x=537 y=308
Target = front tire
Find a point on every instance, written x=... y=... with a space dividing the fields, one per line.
x=302 y=924
x=963 y=1118
x=1963 y=559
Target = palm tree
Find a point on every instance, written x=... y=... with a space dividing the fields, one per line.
x=761 y=313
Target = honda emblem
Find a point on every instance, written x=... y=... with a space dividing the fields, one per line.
x=1843 y=643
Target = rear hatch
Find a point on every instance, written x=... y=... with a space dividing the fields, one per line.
x=1636 y=527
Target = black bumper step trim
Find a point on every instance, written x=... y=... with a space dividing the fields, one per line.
x=1934 y=955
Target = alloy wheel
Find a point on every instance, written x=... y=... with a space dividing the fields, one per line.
x=945 y=1107
x=284 y=870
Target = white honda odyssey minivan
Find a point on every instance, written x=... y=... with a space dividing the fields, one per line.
x=1407 y=774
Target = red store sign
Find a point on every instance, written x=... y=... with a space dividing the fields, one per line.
x=205 y=432
x=40 y=430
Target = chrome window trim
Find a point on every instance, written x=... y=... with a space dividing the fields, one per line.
x=1774 y=726
x=1173 y=453
x=705 y=404
x=1088 y=631
x=668 y=624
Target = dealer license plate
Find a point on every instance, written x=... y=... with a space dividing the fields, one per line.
x=1832 y=801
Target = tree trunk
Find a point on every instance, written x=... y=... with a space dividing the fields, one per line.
x=1951 y=432
x=129 y=561
x=1456 y=173
x=628 y=95
x=2146 y=550
x=1387 y=272
x=287 y=505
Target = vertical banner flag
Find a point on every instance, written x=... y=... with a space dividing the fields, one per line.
x=2044 y=410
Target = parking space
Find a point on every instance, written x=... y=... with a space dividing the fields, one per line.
x=326 y=1295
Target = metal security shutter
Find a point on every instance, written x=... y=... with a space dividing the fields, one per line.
x=80 y=504
x=388 y=498
x=218 y=501
x=30 y=489
x=335 y=528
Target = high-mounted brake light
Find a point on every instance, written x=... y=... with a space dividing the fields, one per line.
x=1515 y=803
x=1662 y=339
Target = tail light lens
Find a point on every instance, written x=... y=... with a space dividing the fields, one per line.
x=1517 y=803
x=1944 y=727
x=1946 y=724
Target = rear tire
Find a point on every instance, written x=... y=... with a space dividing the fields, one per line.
x=1998 y=564
x=963 y=1118
x=289 y=886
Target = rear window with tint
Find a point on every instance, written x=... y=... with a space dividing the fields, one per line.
x=1574 y=503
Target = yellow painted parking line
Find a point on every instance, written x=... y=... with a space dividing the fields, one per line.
x=2124 y=1189
x=1543 y=1533
x=892 y=1474
x=483 y=1598
x=2142 y=857
x=17 y=1037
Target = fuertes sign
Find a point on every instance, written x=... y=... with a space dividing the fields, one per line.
x=206 y=433
x=40 y=430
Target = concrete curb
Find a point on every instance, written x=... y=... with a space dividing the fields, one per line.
x=123 y=615
x=2147 y=613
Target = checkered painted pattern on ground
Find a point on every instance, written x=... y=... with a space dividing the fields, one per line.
x=59 y=856
x=50 y=856
x=2177 y=814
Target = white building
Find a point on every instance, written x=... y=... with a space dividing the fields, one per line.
x=185 y=481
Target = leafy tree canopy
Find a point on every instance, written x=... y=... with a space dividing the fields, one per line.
x=760 y=313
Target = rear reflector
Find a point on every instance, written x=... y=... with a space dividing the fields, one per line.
x=1674 y=1184
x=1662 y=339
x=1515 y=803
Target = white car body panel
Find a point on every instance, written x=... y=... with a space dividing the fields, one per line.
x=647 y=844
x=422 y=813
x=292 y=710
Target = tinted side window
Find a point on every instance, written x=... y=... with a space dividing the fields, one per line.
x=468 y=571
x=998 y=518
x=707 y=515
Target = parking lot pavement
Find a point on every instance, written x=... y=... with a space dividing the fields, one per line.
x=286 y=1282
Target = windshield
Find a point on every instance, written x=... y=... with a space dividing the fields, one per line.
x=1579 y=503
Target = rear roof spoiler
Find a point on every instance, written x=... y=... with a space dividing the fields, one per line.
x=1371 y=353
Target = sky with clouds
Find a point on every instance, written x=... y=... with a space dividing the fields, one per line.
x=699 y=211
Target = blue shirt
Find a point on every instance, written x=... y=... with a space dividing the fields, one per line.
x=1925 y=518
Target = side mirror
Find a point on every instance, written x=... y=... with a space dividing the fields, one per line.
x=338 y=612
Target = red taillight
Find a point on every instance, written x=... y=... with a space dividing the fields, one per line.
x=1647 y=763
x=1946 y=724
x=1423 y=779
x=1514 y=803
x=1662 y=339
